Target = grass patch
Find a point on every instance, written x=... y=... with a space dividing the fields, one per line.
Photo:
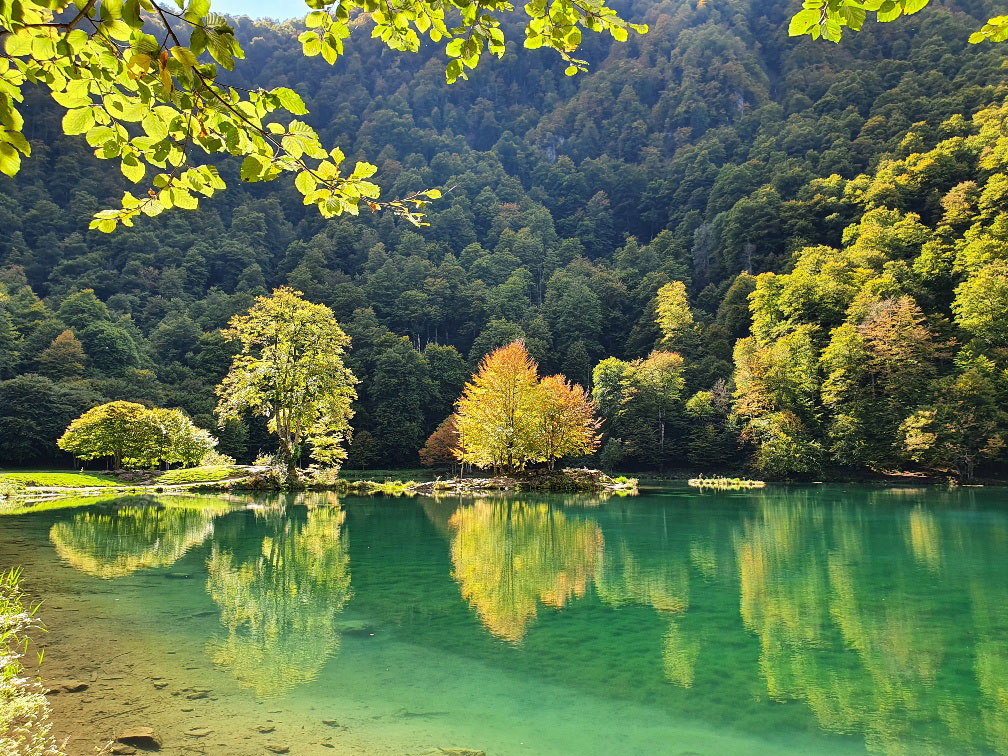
x=205 y=474
x=47 y=479
x=726 y=484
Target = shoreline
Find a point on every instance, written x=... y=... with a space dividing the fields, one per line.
x=576 y=480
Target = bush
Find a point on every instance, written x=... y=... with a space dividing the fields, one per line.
x=214 y=458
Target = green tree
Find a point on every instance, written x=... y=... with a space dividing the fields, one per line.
x=290 y=370
x=965 y=424
x=115 y=430
x=110 y=64
x=656 y=385
x=8 y=344
x=981 y=304
x=82 y=309
x=775 y=401
x=133 y=435
x=34 y=412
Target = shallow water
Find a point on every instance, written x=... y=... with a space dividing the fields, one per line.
x=787 y=620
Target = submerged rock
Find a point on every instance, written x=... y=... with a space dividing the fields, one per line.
x=66 y=686
x=277 y=748
x=141 y=737
x=265 y=729
x=197 y=732
x=354 y=627
x=461 y=752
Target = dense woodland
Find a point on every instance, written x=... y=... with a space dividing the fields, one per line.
x=837 y=213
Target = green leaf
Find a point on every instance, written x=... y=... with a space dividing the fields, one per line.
x=78 y=120
x=154 y=126
x=290 y=100
x=251 y=168
x=72 y=99
x=184 y=55
x=311 y=44
x=18 y=45
x=10 y=160
x=912 y=6
x=132 y=168
x=305 y=182
x=197 y=10
x=315 y=19
x=802 y=22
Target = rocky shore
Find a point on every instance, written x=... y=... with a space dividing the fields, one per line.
x=573 y=480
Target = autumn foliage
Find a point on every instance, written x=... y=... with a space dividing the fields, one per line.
x=440 y=446
x=507 y=417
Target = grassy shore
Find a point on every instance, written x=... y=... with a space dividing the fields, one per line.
x=67 y=479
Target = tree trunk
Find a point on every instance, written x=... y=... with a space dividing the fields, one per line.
x=661 y=434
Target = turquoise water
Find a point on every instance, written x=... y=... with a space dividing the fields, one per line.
x=786 y=620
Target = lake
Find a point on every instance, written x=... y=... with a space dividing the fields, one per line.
x=819 y=619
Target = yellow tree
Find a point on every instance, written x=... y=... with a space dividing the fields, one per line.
x=567 y=424
x=497 y=413
x=672 y=310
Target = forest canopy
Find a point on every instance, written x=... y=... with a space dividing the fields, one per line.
x=835 y=210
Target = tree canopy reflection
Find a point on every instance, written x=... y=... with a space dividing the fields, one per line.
x=280 y=606
x=845 y=616
x=510 y=555
x=134 y=535
x=659 y=580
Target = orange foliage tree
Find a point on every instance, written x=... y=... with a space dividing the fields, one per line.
x=441 y=445
x=567 y=422
x=507 y=418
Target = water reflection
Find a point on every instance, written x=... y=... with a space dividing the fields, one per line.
x=279 y=607
x=869 y=637
x=880 y=616
x=137 y=534
x=508 y=556
x=658 y=578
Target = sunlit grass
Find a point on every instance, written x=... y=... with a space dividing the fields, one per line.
x=49 y=478
x=726 y=484
x=205 y=474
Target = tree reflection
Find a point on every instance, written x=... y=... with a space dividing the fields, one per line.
x=509 y=555
x=848 y=622
x=662 y=583
x=280 y=606
x=137 y=534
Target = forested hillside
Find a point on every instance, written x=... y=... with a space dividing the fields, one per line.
x=712 y=150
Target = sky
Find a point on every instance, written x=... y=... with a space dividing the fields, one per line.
x=278 y=9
